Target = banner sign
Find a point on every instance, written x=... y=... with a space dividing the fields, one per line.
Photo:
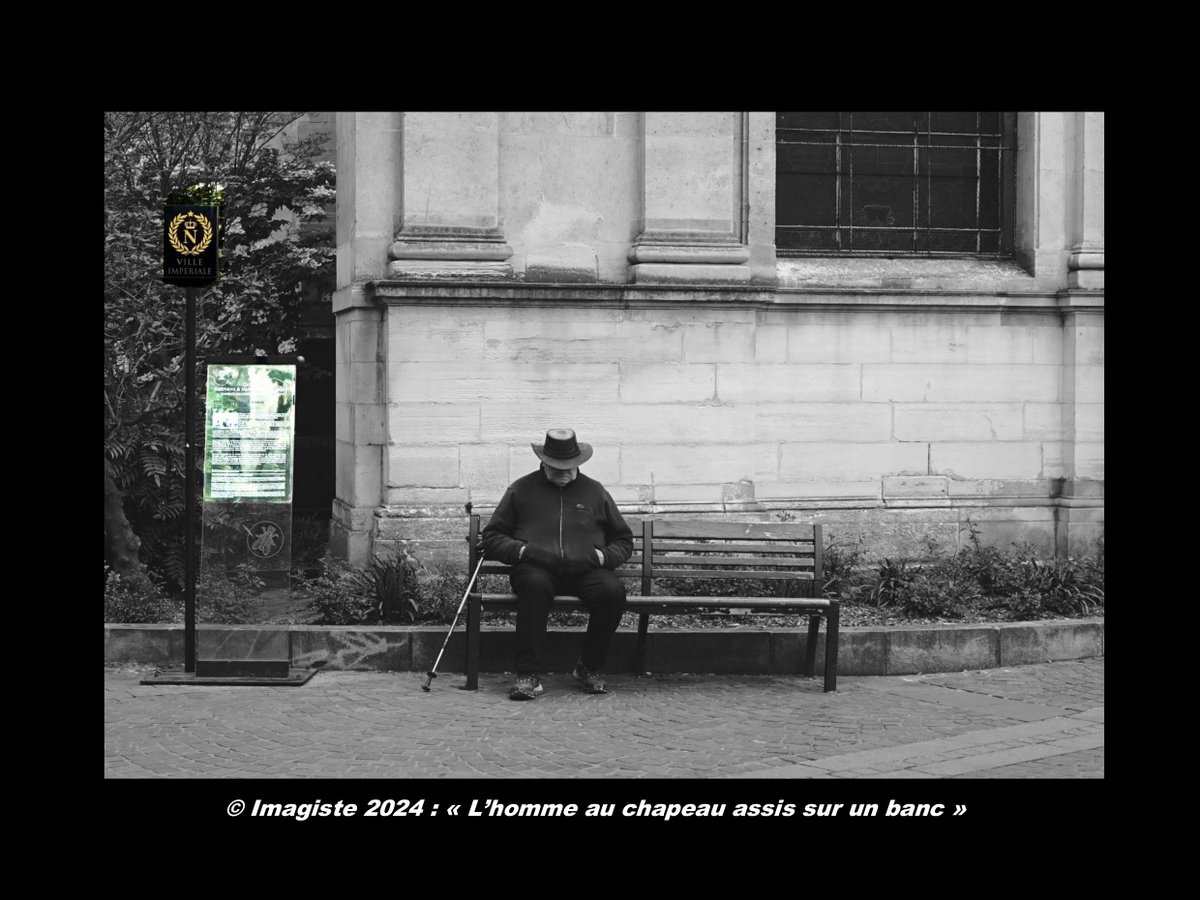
x=190 y=239
x=249 y=433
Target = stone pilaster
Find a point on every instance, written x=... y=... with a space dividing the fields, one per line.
x=693 y=228
x=1081 y=502
x=760 y=178
x=368 y=164
x=1086 y=262
x=450 y=223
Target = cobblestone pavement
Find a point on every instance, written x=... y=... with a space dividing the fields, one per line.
x=1028 y=722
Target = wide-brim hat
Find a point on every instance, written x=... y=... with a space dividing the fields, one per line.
x=561 y=450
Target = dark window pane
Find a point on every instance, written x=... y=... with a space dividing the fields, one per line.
x=950 y=204
x=882 y=241
x=894 y=182
x=989 y=190
x=941 y=141
x=952 y=122
x=806 y=158
x=954 y=163
x=881 y=201
x=893 y=161
x=805 y=200
x=806 y=120
x=952 y=241
x=885 y=121
x=806 y=239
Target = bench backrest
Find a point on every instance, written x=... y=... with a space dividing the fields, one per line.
x=703 y=549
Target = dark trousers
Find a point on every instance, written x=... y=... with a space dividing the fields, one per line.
x=601 y=592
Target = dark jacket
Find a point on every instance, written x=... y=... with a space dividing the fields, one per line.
x=560 y=528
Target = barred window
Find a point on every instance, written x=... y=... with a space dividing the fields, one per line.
x=894 y=183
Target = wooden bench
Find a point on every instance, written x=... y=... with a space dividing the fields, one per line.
x=709 y=550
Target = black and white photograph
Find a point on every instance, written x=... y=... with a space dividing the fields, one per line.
x=627 y=465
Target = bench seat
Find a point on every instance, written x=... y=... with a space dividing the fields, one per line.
x=663 y=604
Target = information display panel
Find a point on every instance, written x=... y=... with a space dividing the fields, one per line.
x=248 y=464
x=249 y=433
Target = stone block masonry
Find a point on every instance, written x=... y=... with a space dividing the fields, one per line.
x=734 y=408
x=620 y=272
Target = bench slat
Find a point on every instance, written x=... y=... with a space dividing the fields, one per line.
x=732 y=573
x=800 y=569
x=637 y=603
x=702 y=561
x=625 y=571
x=801 y=548
x=761 y=531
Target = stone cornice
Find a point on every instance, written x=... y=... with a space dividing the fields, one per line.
x=1076 y=300
x=451 y=292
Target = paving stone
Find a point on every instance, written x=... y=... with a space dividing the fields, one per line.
x=1035 y=721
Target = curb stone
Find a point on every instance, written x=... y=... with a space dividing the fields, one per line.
x=897 y=650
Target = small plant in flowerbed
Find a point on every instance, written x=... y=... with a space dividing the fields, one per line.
x=227 y=598
x=442 y=587
x=224 y=598
x=339 y=594
x=385 y=591
x=135 y=599
x=977 y=583
x=343 y=594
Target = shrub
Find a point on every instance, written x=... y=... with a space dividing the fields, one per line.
x=134 y=599
x=395 y=588
x=392 y=581
x=225 y=597
x=221 y=598
x=441 y=590
x=937 y=593
x=891 y=582
x=840 y=567
x=340 y=594
x=1014 y=582
x=1068 y=587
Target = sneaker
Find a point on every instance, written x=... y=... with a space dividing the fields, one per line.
x=526 y=687
x=593 y=682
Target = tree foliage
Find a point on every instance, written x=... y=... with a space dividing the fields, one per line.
x=273 y=253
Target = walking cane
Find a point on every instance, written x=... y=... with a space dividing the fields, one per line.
x=432 y=673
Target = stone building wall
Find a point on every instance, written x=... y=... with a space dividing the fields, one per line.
x=503 y=273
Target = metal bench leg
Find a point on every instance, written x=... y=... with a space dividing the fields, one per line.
x=639 y=660
x=810 y=648
x=474 y=611
x=831 y=647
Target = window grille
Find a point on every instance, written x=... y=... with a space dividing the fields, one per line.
x=894 y=183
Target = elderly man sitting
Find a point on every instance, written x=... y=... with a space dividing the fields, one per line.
x=562 y=533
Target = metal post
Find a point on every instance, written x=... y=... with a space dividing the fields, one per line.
x=189 y=482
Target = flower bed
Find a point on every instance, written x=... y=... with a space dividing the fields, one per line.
x=974 y=584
